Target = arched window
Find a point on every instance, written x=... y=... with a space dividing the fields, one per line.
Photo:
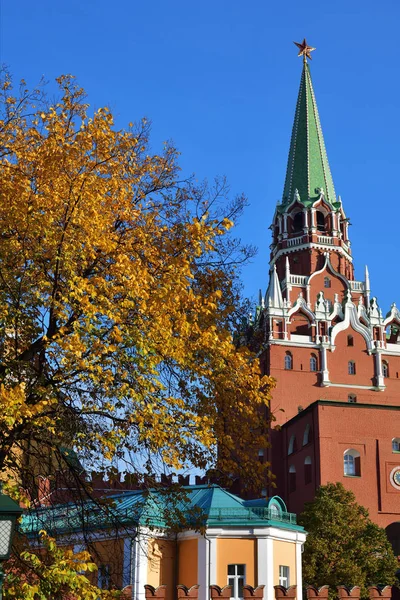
x=327 y=282
x=313 y=363
x=288 y=361
x=292 y=445
x=320 y=221
x=350 y=340
x=351 y=463
x=385 y=368
x=307 y=470
x=396 y=445
x=352 y=398
x=297 y=226
x=292 y=478
x=351 y=367
x=306 y=435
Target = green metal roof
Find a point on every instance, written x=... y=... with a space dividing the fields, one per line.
x=308 y=168
x=200 y=505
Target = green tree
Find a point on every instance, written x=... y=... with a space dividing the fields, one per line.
x=344 y=547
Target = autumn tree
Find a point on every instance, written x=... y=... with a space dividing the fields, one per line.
x=118 y=293
x=55 y=572
x=344 y=547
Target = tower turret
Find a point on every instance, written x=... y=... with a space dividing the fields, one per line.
x=310 y=220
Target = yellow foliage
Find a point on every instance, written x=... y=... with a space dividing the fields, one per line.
x=54 y=572
x=116 y=297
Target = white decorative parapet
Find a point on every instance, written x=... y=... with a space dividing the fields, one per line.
x=295 y=241
x=326 y=239
x=298 y=279
x=357 y=286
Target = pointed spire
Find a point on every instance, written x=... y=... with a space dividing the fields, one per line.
x=273 y=297
x=308 y=168
x=367 y=283
x=287 y=270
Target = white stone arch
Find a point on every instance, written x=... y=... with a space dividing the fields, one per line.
x=301 y=306
x=327 y=265
x=351 y=320
x=393 y=316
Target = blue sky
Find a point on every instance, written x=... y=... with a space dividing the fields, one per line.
x=221 y=79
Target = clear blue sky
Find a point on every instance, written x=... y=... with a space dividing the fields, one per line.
x=220 y=78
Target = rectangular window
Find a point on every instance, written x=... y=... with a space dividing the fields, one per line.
x=236 y=579
x=284 y=576
x=103 y=577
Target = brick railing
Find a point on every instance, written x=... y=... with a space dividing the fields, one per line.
x=257 y=593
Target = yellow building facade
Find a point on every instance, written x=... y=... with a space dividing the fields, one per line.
x=234 y=542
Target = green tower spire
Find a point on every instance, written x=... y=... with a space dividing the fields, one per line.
x=308 y=169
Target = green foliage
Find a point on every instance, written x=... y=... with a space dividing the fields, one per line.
x=344 y=547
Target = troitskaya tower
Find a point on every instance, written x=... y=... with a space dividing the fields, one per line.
x=322 y=336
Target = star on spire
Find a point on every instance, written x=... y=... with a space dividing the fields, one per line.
x=304 y=49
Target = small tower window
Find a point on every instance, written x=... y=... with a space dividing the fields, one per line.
x=320 y=221
x=292 y=445
x=350 y=340
x=327 y=282
x=307 y=470
x=396 y=445
x=313 y=363
x=352 y=398
x=288 y=361
x=351 y=368
x=298 y=222
x=292 y=478
x=385 y=368
x=351 y=463
x=306 y=435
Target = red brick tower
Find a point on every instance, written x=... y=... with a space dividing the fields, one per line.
x=335 y=357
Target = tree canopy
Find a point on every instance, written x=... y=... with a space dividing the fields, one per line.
x=118 y=296
x=344 y=547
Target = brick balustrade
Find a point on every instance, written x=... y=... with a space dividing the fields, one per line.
x=256 y=593
x=218 y=592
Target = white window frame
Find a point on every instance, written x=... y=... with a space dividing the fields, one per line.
x=236 y=577
x=349 y=463
x=313 y=364
x=284 y=576
x=385 y=369
x=288 y=362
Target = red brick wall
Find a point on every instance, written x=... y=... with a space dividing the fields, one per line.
x=336 y=429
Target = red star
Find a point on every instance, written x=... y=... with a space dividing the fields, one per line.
x=304 y=49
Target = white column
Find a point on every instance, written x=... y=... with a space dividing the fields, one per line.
x=141 y=551
x=324 y=365
x=212 y=548
x=269 y=592
x=338 y=225
x=299 y=577
x=313 y=225
x=262 y=561
x=280 y=224
x=379 y=374
x=334 y=229
x=202 y=568
x=305 y=211
x=285 y=225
